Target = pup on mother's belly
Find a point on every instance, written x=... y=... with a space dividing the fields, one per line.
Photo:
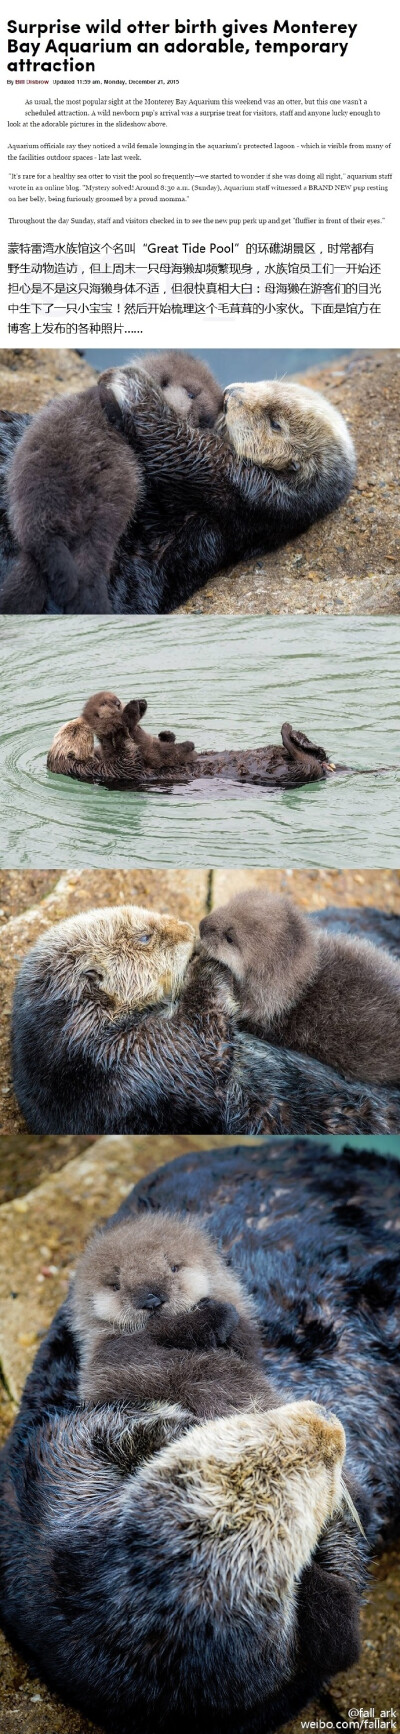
x=159 y=1317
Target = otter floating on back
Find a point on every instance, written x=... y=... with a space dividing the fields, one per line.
x=129 y=757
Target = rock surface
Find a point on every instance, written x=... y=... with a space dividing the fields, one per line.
x=348 y=563
x=29 y=377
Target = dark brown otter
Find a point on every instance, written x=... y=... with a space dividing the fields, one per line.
x=128 y=753
x=328 y=995
x=75 y=483
x=160 y=1318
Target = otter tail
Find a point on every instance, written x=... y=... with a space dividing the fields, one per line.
x=24 y=590
x=63 y=577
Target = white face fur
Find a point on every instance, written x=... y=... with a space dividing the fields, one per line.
x=165 y=1263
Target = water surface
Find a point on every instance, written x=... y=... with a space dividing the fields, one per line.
x=229 y=681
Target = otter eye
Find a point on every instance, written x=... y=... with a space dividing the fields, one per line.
x=176 y=1267
x=144 y=938
x=229 y=936
x=93 y=977
x=164 y=382
x=114 y=1283
x=191 y=394
x=276 y=425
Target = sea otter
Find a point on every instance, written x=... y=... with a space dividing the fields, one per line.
x=116 y=1028
x=74 y=483
x=209 y=1576
x=128 y=753
x=159 y=1317
x=279 y=457
x=323 y=993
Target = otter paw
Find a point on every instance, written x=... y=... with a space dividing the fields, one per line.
x=218 y=1321
x=133 y=711
x=166 y=735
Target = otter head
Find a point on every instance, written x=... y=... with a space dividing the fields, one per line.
x=108 y=964
x=103 y=712
x=157 y=1261
x=185 y=383
x=74 y=740
x=270 y=948
x=288 y=428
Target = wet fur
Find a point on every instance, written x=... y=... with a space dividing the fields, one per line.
x=329 y=995
x=74 y=484
x=72 y=753
x=122 y=1576
x=158 y=1317
x=111 y=1036
x=211 y=498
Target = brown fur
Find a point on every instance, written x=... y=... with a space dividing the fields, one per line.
x=186 y=384
x=332 y=997
x=158 y=752
x=74 y=484
x=159 y=1317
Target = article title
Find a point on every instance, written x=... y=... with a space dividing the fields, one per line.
x=65 y=46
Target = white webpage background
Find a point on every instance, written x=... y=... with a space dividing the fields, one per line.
x=181 y=193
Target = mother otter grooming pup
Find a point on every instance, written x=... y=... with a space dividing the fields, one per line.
x=322 y=993
x=128 y=756
x=279 y=457
x=115 y=1028
x=159 y=1317
x=74 y=483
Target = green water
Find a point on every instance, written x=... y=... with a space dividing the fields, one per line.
x=219 y=681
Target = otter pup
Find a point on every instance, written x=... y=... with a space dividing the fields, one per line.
x=126 y=753
x=159 y=1317
x=328 y=995
x=297 y=761
x=74 y=484
x=159 y=752
x=279 y=457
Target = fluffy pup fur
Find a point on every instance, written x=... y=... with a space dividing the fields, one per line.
x=324 y=993
x=279 y=457
x=74 y=484
x=127 y=753
x=159 y=1317
x=209 y=1576
x=115 y=1030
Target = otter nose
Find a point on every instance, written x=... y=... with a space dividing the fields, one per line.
x=148 y=1299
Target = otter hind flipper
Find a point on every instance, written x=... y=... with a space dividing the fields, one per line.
x=293 y=738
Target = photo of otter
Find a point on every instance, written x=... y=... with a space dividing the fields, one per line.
x=128 y=757
x=257 y=1017
x=225 y=1565
x=238 y=478
x=127 y=497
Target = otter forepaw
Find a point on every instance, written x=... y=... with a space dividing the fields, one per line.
x=166 y=735
x=133 y=711
x=218 y=1321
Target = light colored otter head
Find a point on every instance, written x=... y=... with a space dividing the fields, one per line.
x=270 y=947
x=73 y=741
x=156 y=1261
x=251 y=1494
x=285 y=427
x=103 y=712
x=109 y=963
